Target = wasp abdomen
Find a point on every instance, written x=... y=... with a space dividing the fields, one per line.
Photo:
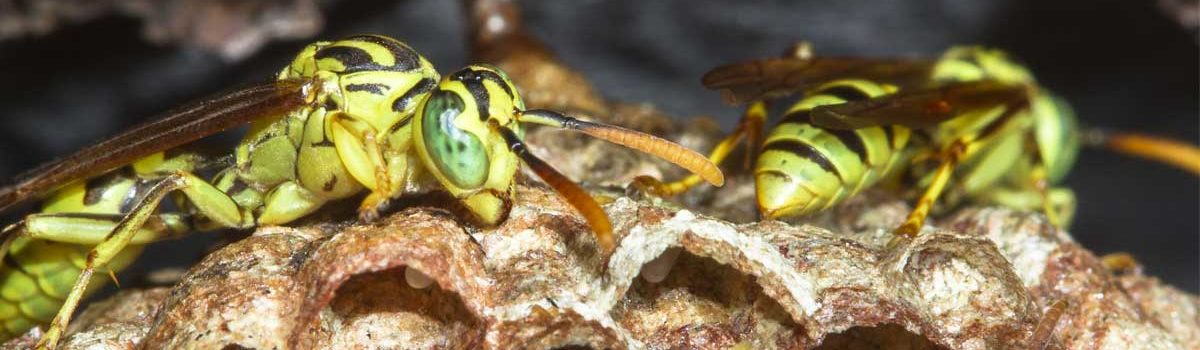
x=804 y=168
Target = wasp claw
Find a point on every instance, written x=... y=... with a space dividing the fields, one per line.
x=908 y=230
x=369 y=210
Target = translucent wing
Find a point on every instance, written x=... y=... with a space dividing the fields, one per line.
x=922 y=108
x=776 y=77
x=173 y=129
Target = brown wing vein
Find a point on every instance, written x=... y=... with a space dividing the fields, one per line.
x=921 y=108
x=776 y=77
x=176 y=128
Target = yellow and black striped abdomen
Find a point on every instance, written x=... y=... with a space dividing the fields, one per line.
x=804 y=168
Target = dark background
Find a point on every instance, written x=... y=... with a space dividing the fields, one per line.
x=1122 y=64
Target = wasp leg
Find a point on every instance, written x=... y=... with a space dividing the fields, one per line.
x=41 y=269
x=950 y=156
x=1059 y=206
x=209 y=201
x=358 y=147
x=1058 y=203
x=91 y=229
x=751 y=126
x=287 y=202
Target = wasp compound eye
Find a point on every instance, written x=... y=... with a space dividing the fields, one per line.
x=458 y=155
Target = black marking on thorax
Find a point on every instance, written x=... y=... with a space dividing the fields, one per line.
x=373 y=88
x=420 y=89
x=355 y=60
x=405 y=58
x=95 y=187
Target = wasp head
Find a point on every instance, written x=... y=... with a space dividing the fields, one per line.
x=457 y=140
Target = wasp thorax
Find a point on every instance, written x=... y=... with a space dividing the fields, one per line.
x=458 y=154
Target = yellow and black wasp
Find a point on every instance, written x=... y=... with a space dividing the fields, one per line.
x=362 y=114
x=972 y=115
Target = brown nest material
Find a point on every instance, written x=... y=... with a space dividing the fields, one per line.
x=537 y=281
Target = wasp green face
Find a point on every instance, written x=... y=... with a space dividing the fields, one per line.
x=457 y=154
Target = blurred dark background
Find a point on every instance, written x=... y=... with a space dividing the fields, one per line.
x=1127 y=65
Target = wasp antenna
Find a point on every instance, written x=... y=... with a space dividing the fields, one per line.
x=575 y=195
x=672 y=152
x=1179 y=154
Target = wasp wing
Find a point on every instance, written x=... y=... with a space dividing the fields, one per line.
x=922 y=108
x=173 y=129
x=777 y=77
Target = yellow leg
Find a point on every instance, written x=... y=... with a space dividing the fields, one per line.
x=1038 y=177
x=358 y=147
x=1056 y=202
x=949 y=160
x=93 y=229
x=103 y=252
x=750 y=126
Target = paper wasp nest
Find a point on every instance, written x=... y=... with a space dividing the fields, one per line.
x=538 y=282
x=981 y=281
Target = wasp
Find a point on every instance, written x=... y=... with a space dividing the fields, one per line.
x=364 y=114
x=973 y=115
